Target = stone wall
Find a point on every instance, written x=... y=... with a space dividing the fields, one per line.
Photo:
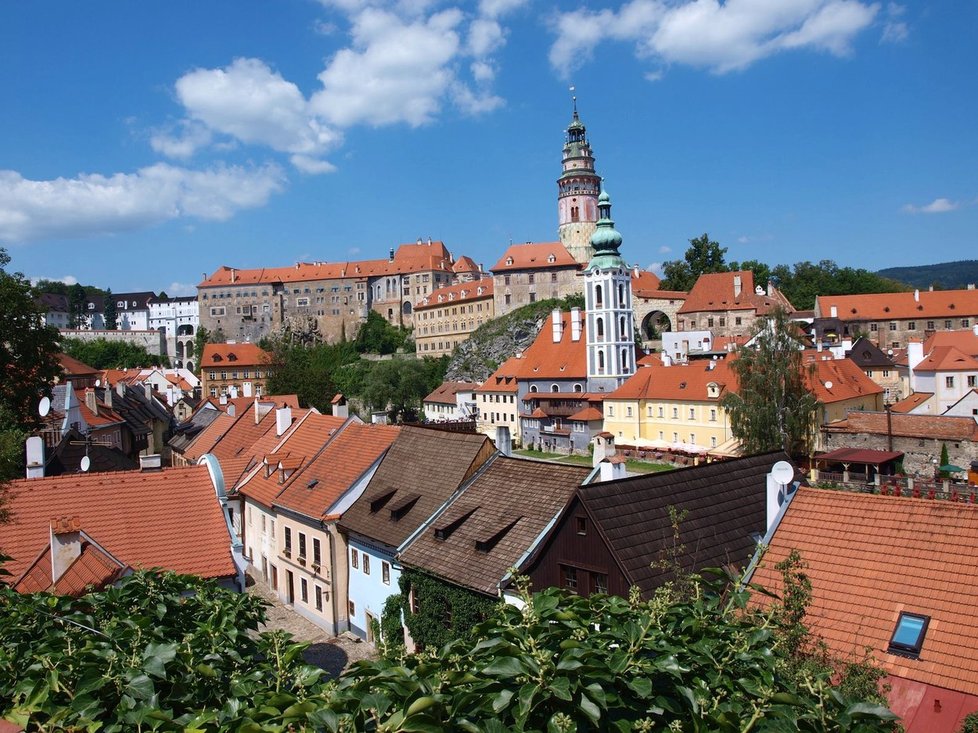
x=919 y=453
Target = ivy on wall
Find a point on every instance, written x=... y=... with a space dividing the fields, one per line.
x=445 y=612
x=391 y=630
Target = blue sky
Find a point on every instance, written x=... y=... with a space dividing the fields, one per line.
x=143 y=144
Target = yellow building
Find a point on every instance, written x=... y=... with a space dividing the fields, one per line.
x=673 y=407
x=448 y=316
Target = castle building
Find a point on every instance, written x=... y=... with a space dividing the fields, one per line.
x=608 y=305
x=577 y=193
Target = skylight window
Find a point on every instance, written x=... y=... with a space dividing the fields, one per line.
x=908 y=637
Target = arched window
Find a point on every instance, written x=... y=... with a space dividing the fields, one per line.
x=533 y=388
x=621 y=295
x=598 y=300
x=624 y=361
x=600 y=362
x=578 y=388
x=554 y=388
x=621 y=328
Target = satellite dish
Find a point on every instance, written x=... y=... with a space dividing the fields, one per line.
x=828 y=385
x=44 y=407
x=86 y=463
x=98 y=382
x=782 y=472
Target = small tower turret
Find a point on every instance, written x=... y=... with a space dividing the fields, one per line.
x=577 y=192
x=608 y=304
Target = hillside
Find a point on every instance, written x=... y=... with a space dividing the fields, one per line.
x=497 y=340
x=943 y=275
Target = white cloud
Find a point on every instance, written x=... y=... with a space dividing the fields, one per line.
x=311 y=166
x=664 y=249
x=67 y=279
x=182 y=140
x=94 y=204
x=485 y=36
x=177 y=290
x=656 y=269
x=498 y=8
x=895 y=30
x=937 y=206
x=705 y=33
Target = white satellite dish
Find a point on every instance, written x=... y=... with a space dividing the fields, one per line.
x=86 y=463
x=98 y=382
x=782 y=472
x=828 y=385
x=44 y=407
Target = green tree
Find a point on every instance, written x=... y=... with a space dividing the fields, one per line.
x=308 y=371
x=110 y=312
x=28 y=350
x=103 y=354
x=377 y=336
x=762 y=272
x=702 y=256
x=772 y=407
x=398 y=386
x=77 y=300
x=945 y=460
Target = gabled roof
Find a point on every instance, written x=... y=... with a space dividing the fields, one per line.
x=912 y=402
x=535 y=256
x=74 y=368
x=504 y=378
x=169 y=518
x=685 y=382
x=427 y=464
x=644 y=281
x=323 y=480
x=947 y=359
x=886 y=306
x=565 y=359
x=53 y=302
x=865 y=354
x=94 y=568
x=838 y=380
x=940 y=427
x=965 y=341
x=445 y=393
x=715 y=291
x=871 y=557
x=465 y=264
x=467 y=292
x=505 y=508
x=726 y=505
x=229 y=356
x=67 y=456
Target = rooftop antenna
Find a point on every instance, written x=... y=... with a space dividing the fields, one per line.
x=574 y=100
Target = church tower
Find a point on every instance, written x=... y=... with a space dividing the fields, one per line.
x=577 y=192
x=608 y=305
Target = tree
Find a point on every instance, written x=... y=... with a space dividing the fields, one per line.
x=77 y=300
x=772 y=407
x=110 y=312
x=398 y=386
x=28 y=350
x=308 y=371
x=377 y=336
x=103 y=354
x=702 y=256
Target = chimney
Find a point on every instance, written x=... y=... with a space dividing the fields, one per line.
x=224 y=398
x=916 y=296
x=971 y=286
x=233 y=392
x=65 y=544
x=148 y=390
x=151 y=462
x=120 y=388
x=738 y=285
x=576 y=324
x=833 y=311
x=604 y=448
x=231 y=410
x=340 y=407
x=246 y=389
x=770 y=289
x=504 y=443
x=611 y=469
x=283 y=420
x=35 y=457
x=232 y=275
x=262 y=409
x=974 y=329
x=390 y=256
x=930 y=289
x=429 y=241
x=90 y=401
x=108 y=396
x=666 y=359
x=558 y=325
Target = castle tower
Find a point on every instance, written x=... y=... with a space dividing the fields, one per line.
x=577 y=192
x=608 y=304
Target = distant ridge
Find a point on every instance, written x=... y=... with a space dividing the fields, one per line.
x=944 y=275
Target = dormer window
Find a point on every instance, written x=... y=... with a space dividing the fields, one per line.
x=712 y=390
x=552 y=258
x=509 y=260
x=908 y=637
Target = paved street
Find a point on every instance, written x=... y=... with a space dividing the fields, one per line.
x=332 y=654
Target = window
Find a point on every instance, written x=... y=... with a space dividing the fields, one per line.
x=302 y=546
x=948 y=325
x=675 y=413
x=930 y=325
x=272 y=529
x=366 y=564
x=317 y=552
x=304 y=590
x=611 y=411
x=218 y=311
x=886 y=372
x=713 y=415
x=692 y=413
x=908 y=637
x=581 y=525
x=568 y=578
x=319 y=598
x=354 y=557
x=965 y=323
x=972 y=380
x=288 y=542
x=912 y=326
x=874 y=327
x=599 y=583
x=660 y=411
x=628 y=411
x=531 y=278
x=737 y=321
x=713 y=442
x=385 y=572
x=949 y=382
x=300 y=302
x=709 y=323
x=893 y=326
x=352 y=608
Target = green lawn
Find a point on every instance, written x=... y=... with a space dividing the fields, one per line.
x=632 y=466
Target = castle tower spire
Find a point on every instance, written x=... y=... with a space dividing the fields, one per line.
x=577 y=191
x=608 y=304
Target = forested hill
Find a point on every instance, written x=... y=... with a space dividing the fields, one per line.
x=944 y=275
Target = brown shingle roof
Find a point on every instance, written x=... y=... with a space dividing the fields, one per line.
x=428 y=464
x=511 y=502
x=871 y=557
x=726 y=504
x=169 y=518
x=947 y=359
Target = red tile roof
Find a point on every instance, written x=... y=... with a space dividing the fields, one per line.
x=335 y=469
x=940 y=427
x=686 y=382
x=233 y=355
x=169 y=518
x=965 y=341
x=445 y=393
x=535 y=256
x=458 y=293
x=837 y=380
x=886 y=306
x=93 y=568
x=503 y=379
x=947 y=359
x=566 y=359
x=715 y=292
x=872 y=557
x=465 y=264
x=644 y=281
x=74 y=368
x=913 y=401
x=408 y=258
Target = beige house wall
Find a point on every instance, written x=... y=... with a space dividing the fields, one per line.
x=721 y=323
x=518 y=288
x=705 y=424
x=440 y=327
x=495 y=409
